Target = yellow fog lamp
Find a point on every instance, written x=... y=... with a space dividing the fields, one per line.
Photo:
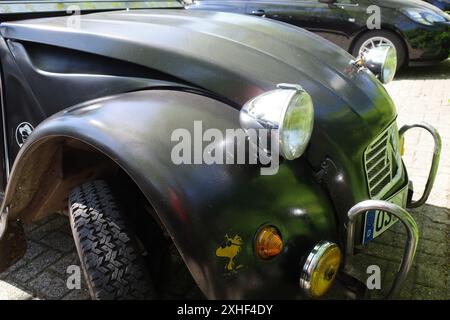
x=320 y=269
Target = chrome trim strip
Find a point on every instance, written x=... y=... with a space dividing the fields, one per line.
x=434 y=163
x=411 y=241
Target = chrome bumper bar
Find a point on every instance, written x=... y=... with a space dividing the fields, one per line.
x=403 y=215
x=434 y=164
x=411 y=242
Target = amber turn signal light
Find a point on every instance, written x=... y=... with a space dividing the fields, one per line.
x=268 y=243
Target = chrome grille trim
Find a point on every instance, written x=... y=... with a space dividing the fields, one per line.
x=382 y=162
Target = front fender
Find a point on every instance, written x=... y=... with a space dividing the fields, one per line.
x=200 y=205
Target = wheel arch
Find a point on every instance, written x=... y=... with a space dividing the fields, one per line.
x=199 y=205
x=114 y=133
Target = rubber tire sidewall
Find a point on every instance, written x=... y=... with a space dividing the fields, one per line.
x=95 y=294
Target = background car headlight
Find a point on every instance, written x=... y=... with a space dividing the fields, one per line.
x=320 y=269
x=288 y=109
x=424 y=16
x=382 y=61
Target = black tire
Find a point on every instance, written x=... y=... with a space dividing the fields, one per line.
x=107 y=247
x=391 y=36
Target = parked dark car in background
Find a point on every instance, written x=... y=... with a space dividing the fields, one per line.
x=441 y=4
x=418 y=30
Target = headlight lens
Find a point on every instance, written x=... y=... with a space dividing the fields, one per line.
x=382 y=61
x=320 y=269
x=289 y=109
x=390 y=65
x=296 y=127
x=424 y=16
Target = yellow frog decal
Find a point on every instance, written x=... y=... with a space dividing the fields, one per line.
x=230 y=248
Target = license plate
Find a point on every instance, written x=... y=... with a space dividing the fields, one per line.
x=378 y=222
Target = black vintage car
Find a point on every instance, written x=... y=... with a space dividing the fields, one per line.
x=96 y=108
x=419 y=31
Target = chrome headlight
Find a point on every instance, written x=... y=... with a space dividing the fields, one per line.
x=424 y=16
x=382 y=61
x=288 y=109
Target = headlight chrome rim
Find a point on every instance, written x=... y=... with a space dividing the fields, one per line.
x=253 y=116
x=312 y=263
x=382 y=61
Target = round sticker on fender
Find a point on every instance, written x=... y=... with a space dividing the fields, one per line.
x=23 y=131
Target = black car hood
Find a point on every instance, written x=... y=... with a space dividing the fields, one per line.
x=398 y=4
x=236 y=57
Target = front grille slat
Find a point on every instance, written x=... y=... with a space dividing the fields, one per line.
x=376 y=167
x=382 y=179
x=379 y=144
x=373 y=181
x=382 y=162
x=380 y=153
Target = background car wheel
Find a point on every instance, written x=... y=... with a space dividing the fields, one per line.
x=108 y=250
x=375 y=38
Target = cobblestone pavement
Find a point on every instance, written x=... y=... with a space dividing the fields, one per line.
x=420 y=95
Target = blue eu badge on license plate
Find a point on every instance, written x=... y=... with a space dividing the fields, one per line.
x=376 y=223
x=379 y=221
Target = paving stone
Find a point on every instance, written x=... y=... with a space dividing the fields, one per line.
x=13 y=268
x=431 y=260
x=60 y=241
x=383 y=251
x=32 y=268
x=44 y=229
x=426 y=293
x=61 y=265
x=30 y=227
x=49 y=286
x=81 y=294
x=33 y=250
x=432 y=276
x=434 y=234
x=434 y=248
x=392 y=238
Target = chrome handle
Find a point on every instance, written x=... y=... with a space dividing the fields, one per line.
x=411 y=241
x=434 y=163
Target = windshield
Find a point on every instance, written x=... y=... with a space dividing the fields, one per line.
x=36 y=6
